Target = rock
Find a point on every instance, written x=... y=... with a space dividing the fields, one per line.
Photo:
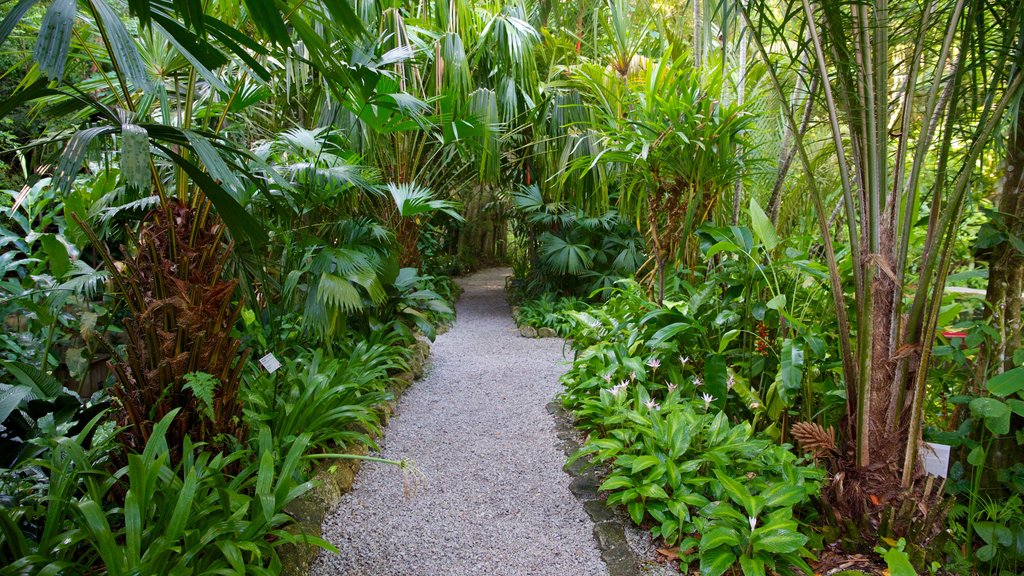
x=527 y=331
x=333 y=479
x=546 y=332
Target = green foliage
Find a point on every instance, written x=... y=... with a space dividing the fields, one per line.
x=331 y=400
x=705 y=483
x=897 y=559
x=153 y=516
x=659 y=420
x=573 y=253
x=548 y=311
x=202 y=386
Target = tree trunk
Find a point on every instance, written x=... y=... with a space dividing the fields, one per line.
x=1006 y=265
x=1004 y=298
x=789 y=152
x=698 y=34
x=741 y=84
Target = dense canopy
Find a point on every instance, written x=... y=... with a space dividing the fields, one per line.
x=783 y=239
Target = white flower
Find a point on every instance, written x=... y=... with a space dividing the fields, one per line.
x=619 y=388
x=683 y=360
x=654 y=363
x=753 y=522
x=708 y=399
x=697 y=381
x=632 y=375
x=671 y=387
x=607 y=377
x=730 y=382
x=652 y=405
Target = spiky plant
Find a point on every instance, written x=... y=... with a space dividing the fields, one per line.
x=179 y=322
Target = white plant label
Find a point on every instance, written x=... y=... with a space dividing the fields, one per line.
x=270 y=363
x=936 y=459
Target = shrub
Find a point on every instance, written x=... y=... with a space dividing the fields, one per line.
x=706 y=484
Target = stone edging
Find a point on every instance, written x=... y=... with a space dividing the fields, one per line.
x=609 y=528
x=334 y=478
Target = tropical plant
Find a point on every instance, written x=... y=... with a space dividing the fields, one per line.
x=674 y=460
x=167 y=514
x=333 y=401
x=670 y=145
x=886 y=361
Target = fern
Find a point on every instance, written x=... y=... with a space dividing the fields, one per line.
x=203 y=386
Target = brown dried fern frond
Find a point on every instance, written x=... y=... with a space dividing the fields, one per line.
x=815 y=439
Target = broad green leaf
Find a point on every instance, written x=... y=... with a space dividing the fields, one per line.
x=899 y=563
x=994 y=533
x=739 y=494
x=790 y=376
x=777 y=303
x=133 y=527
x=653 y=491
x=723 y=246
x=56 y=254
x=41 y=385
x=716 y=374
x=986 y=553
x=636 y=511
x=995 y=413
x=715 y=562
x=777 y=540
x=976 y=457
x=762 y=226
x=1009 y=382
x=752 y=566
x=780 y=495
x=727 y=338
x=718 y=536
x=10 y=398
x=644 y=462
x=264 y=485
x=182 y=507
x=102 y=537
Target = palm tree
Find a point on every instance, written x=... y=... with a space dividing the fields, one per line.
x=671 y=147
x=886 y=135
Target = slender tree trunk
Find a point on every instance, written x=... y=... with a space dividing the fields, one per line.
x=741 y=84
x=1006 y=265
x=789 y=152
x=1004 y=299
x=698 y=34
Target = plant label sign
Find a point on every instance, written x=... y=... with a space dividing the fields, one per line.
x=936 y=459
x=270 y=363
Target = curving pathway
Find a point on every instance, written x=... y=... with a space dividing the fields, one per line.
x=492 y=498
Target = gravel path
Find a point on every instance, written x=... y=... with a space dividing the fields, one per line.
x=492 y=498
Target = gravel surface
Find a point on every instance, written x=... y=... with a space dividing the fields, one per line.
x=491 y=497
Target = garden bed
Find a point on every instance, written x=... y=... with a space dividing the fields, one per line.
x=334 y=478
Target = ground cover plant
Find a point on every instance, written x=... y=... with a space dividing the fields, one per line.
x=785 y=239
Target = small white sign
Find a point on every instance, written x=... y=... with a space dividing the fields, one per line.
x=936 y=459
x=270 y=363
